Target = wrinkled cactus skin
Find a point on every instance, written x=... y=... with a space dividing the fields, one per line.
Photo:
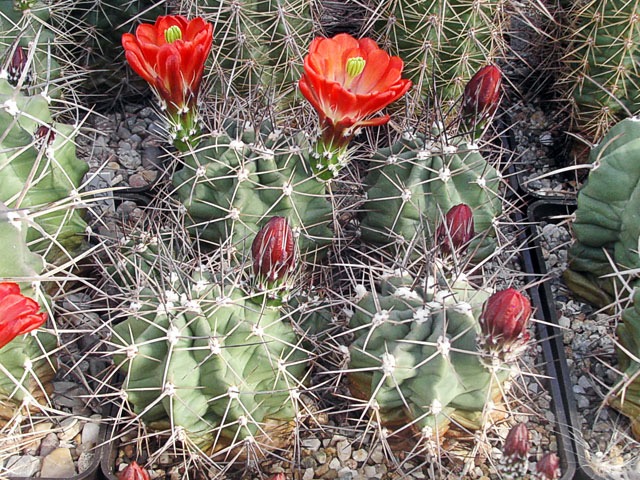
x=416 y=354
x=606 y=226
x=241 y=177
x=414 y=184
x=627 y=399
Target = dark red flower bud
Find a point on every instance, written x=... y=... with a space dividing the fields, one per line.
x=516 y=445
x=279 y=476
x=548 y=467
x=482 y=94
x=274 y=250
x=133 y=472
x=18 y=64
x=504 y=322
x=456 y=230
x=45 y=135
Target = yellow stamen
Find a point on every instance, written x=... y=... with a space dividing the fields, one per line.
x=355 y=66
x=172 y=34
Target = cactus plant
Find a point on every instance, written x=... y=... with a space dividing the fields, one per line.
x=26 y=24
x=26 y=364
x=259 y=45
x=39 y=171
x=627 y=398
x=600 y=75
x=417 y=359
x=418 y=180
x=443 y=43
x=202 y=357
x=240 y=177
x=606 y=227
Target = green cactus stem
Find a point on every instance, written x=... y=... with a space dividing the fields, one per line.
x=204 y=358
x=418 y=180
x=416 y=357
x=600 y=75
x=242 y=176
x=40 y=173
x=443 y=43
x=627 y=398
x=606 y=227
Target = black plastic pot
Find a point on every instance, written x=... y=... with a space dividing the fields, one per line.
x=545 y=305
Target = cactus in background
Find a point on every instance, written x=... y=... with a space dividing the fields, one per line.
x=26 y=366
x=606 y=227
x=240 y=177
x=418 y=180
x=259 y=47
x=627 y=397
x=39 y=172
x=443 y=43
x=102 y=24
x=416 y=356
x=202 y=357
x=602 y=51
x=26 y=24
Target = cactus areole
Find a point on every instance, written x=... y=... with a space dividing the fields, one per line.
x=347 y=81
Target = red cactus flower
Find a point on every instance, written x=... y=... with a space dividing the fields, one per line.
x=18 y=314
x=481 y=95
x=170 y=56
x=516 y=445
x=504 y=322
x=456 y=230
x=548 y=467
x=273 y=250
x=133 y=471
x=279 y=476
x=347 y=81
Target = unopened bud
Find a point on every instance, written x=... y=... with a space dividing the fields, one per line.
x=44 y=135
x=504 y=322
x=456 y=230
x=548 y=467
x=17 y=65
x=273 y=250
x=481 y=95
x=133 y=472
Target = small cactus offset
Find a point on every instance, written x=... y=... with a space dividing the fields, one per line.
x=40 y=173
x=418 y=360
x=202 y=357
x=443 y=43
x=606 y=227
x=241 y=176
x=419 y=179
x=600 y=75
